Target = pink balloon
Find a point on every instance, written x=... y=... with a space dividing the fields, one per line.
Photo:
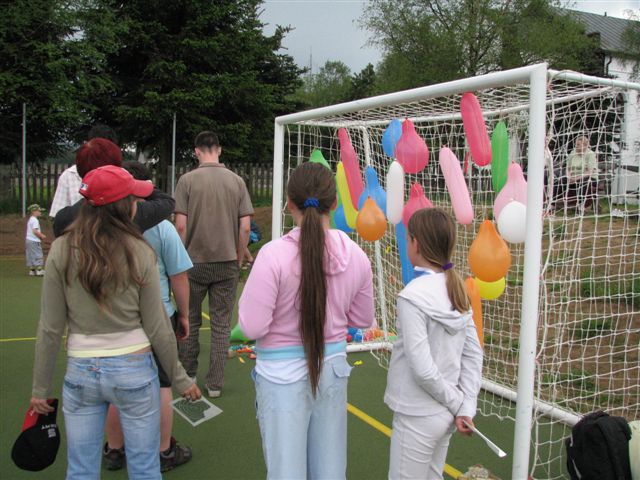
x=411 y=151
x=351 y=166
x=514 y=189
x=417 y=201
x=456 y=186
x=475 y=130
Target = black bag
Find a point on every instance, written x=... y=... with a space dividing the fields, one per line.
x=598 y=448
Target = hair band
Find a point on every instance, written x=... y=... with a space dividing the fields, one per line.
x=447 y=266
x=311 y=202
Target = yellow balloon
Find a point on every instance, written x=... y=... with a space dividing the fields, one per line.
x=350 y=213
x=491 y=290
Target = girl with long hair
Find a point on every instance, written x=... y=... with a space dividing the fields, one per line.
x=304 y=290
x=102 y=286
x=436 y=365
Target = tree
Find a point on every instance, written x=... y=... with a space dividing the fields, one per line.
x=631 y=41
x=332 y=84
x=209 y=62
x=363 y=84
x=431 y=41
x=44 y=64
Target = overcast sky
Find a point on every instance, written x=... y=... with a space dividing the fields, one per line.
x=328 y=29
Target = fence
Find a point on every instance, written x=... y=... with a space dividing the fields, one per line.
x=42 y=180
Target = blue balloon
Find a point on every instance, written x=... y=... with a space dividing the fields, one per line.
x=391 y=136
x=340 y=220
x=374 y=190
x=401 y=240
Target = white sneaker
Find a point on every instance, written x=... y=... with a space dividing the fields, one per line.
x=40 y=273
x=213 y=393
x=32 y=273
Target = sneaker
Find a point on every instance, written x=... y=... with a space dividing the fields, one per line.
x=213 y=393
x=113 y=458
x=174 y=456
x=40 y=273
x=32 y=273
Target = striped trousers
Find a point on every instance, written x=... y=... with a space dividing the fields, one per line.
x=220 y=281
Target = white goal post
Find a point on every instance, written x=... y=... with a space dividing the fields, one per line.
x=561 y=288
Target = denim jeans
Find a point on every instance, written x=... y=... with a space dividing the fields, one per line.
x=303 y=436
x=129 y=382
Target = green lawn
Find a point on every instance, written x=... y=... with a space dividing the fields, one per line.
x=227 y=447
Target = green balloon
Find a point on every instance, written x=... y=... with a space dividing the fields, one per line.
x=317 y=157
x=237 y=335
x=499 y=156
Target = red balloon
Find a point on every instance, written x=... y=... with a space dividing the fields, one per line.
x=417 y=200
x=475 y=130
x=411 y=151
x=351 y=166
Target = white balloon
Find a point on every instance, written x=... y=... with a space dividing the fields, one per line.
x=395 y=192
x=512 y=222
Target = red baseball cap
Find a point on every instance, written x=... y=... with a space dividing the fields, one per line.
x=108 y=184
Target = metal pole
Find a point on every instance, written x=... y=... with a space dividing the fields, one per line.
x=531 y=284
x=24 y=159
x=278 y=187
x=173 y=157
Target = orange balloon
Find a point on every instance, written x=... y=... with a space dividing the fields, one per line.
x=489 y=255
x=371 y=222
x=476 y=306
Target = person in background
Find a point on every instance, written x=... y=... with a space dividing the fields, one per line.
x=173 y=264
x=96 y=153
x=304 y=290
x=435 y=371
x=102 y=288
x=213 y=214
x=33 y=239
x=68 y=185
x=579 y=183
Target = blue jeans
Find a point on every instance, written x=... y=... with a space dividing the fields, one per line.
x=129 y=382
x=303 y=436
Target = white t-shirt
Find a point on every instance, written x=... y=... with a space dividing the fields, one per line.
x=32 y=224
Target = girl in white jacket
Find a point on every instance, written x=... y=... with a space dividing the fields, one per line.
x=436 y=366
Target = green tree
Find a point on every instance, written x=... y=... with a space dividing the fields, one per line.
x=45 y=64
x=209 y=62
x=431 y=41
x=363 y=84
x=631 y=41
x=332 y=84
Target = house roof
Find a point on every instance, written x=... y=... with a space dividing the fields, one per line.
x=611 y=29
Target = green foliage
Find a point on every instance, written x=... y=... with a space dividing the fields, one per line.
x=631 y=41
x=431 y=41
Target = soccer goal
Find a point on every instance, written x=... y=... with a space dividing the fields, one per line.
x=563 y=338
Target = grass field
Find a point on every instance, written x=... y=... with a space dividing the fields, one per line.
x=227 y=447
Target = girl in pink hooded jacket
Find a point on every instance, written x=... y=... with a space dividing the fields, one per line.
x=304 y=290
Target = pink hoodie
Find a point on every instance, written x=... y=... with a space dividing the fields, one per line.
x=268 y=309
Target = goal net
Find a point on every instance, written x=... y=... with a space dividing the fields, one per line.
x=588 y=292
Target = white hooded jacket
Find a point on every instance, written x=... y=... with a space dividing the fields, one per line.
x=436 y=365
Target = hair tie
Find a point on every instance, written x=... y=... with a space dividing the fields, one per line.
x=447 y=266
x=311 y=202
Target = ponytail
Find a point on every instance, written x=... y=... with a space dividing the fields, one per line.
x=457 y=291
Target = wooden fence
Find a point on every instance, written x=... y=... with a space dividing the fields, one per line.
x=42 y=181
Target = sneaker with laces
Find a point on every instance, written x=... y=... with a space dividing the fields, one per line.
x=174 y=456
x=32 y=273
x=113 y=458
x=213 y=393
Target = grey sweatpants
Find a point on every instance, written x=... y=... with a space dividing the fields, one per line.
x=34 y=255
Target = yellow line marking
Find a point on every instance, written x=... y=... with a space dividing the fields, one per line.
x=448 y=469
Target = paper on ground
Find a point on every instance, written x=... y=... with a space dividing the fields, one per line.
x=195 y=412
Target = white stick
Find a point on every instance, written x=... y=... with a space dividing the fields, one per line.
x=497 y=450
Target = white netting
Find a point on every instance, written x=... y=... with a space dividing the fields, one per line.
x=589 y=309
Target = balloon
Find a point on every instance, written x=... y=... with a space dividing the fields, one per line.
x=499 y=156
x=491 y=290
x=489 y=255
x=411 y=151
x=374 y=190
x=350 y=213
x=456 y=186
x=371 y=223
x=512 y=222
x=351 y=166
x=401 y=240
x=476 y=305
x=475 y=129
x=514 y=189
x=340 y=220
x=466 y=163
x=395 y=192
x=391 y=136
x=317 y=157
x=417 y=200
x=237 y=335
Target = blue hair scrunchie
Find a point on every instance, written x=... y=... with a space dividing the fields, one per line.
x=311 y=202
x=447 y=266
